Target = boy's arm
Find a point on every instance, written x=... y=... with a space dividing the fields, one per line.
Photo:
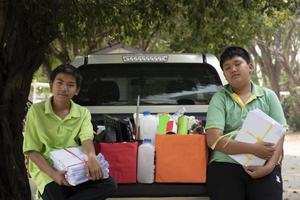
x=262 y=150
x=261 y=171
x=216 y=117
x=43 y=165
x=93 y=169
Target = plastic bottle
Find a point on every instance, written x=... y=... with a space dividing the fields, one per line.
x=182 y=125
x=148 y=126
x=145 y=167
x=162 y=123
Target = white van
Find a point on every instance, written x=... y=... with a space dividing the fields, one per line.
x=164 y=82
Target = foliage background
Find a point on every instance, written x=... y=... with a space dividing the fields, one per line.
x=268 y=29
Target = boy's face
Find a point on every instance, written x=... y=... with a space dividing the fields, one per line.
x=237 y=71
x=64 y=87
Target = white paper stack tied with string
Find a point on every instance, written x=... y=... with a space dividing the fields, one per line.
x=257 y=127
x=73 y=160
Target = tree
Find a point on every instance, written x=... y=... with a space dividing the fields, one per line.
x=220 y=23
x=28 y=27
x=23 y=41
x=271 y=48
x=128 y=22
x=269 y=64
x=276 y=53
x=176 y=26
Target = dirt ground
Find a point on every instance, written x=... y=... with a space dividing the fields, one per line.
x=291 y=167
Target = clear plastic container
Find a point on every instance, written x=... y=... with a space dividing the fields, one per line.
x=148 y=126
x=145 y=167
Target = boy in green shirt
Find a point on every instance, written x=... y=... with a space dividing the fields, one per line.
x=60 y=123
x=226 y=179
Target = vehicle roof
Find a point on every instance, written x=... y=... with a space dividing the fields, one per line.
x=150 y=58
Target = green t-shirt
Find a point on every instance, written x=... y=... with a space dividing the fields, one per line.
x=44 y=131
x=227 y=112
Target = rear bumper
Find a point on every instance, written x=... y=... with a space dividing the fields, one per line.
x=161 y=190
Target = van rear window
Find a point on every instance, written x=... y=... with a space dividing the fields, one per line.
x=156 y=83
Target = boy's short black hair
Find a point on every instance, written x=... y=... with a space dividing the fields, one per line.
x=232 y=51
x=67 y=69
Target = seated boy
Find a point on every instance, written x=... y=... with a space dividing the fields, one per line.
x=59 y=123
x=226 y=179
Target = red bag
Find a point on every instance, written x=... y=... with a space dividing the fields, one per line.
x=181 y=158
x=122 y=159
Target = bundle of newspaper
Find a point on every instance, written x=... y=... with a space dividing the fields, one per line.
x=257 y=127
x=72 y=160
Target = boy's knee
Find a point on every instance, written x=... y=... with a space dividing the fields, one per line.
x=112 y=185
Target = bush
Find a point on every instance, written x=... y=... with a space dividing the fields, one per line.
x=291 y=110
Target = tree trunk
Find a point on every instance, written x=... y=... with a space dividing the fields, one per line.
x=256 y=59
x=14 y=182
x=47 y=66
x=22 y=47
x=271 y=67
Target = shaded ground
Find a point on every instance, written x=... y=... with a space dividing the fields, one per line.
x=291 y=167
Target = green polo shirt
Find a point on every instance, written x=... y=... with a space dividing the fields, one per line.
x=227 y=112
x=44 y=131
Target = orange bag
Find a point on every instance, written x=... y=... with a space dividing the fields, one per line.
x=181 y=158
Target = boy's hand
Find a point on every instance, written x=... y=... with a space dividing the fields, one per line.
x=264 y=150
x=93 y=168
x=59 y=178
x=258 y=171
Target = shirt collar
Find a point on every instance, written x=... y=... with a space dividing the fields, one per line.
x=255 y=90
x=74 y=112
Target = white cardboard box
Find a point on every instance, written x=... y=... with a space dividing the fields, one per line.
x=257 y=126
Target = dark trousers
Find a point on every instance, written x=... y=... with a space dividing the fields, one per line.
x=227 y=181
x=91 y=190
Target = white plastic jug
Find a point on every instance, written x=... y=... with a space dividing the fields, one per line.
x=145 y=167
x=148 y=126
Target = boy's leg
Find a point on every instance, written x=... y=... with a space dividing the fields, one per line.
x=53 y=191
x=94 y=190
x=226 y=181
x=266 y=188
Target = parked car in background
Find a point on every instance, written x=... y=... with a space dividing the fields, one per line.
x=40 y=91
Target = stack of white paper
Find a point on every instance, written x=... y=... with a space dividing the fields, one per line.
x=72 y=160
x=257 y=127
